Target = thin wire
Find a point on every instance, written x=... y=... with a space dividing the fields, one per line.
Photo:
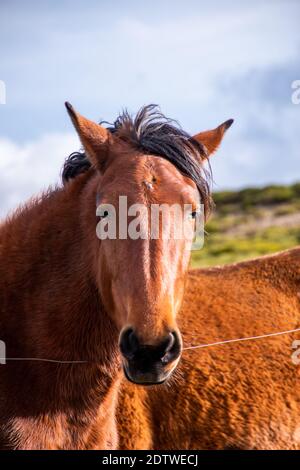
x=249 y=338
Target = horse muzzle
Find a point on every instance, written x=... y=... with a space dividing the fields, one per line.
x=148 y=364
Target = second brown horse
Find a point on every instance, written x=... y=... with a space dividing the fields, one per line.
x=232 y=396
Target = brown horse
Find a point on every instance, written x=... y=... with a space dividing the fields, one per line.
x=67 y=296
x=71 y=302
x=243 y=395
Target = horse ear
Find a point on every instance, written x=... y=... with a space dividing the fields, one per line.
x=94 y=138
x=212 y=139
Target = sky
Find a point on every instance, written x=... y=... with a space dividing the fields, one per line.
x=203 y=62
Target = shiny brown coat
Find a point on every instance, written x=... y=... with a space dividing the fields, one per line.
x=242 y=395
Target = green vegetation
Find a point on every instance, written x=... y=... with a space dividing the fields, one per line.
x=250 y=223
x=249 y=197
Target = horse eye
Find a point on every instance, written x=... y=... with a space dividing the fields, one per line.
x=105 y=214
x=194 y=214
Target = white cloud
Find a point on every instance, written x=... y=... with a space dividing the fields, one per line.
x=27 y=169
x=272 y=157
x=133 y=59
x=203 y=63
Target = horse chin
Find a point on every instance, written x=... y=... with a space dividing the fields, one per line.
x=145 y=379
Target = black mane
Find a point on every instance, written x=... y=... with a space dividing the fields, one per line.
x=153 y=133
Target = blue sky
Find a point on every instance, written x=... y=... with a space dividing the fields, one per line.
x=202 y=62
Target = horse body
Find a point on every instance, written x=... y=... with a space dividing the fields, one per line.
x=51 y=309
x=76 y=309
x=241 y=395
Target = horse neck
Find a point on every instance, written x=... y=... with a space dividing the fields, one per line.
x=49 y=296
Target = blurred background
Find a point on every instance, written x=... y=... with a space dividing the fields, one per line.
x=202 y=62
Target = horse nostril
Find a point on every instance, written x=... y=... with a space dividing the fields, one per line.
x=167 y=344
x=171 y=348
x=129 y=343
x=172 y=340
